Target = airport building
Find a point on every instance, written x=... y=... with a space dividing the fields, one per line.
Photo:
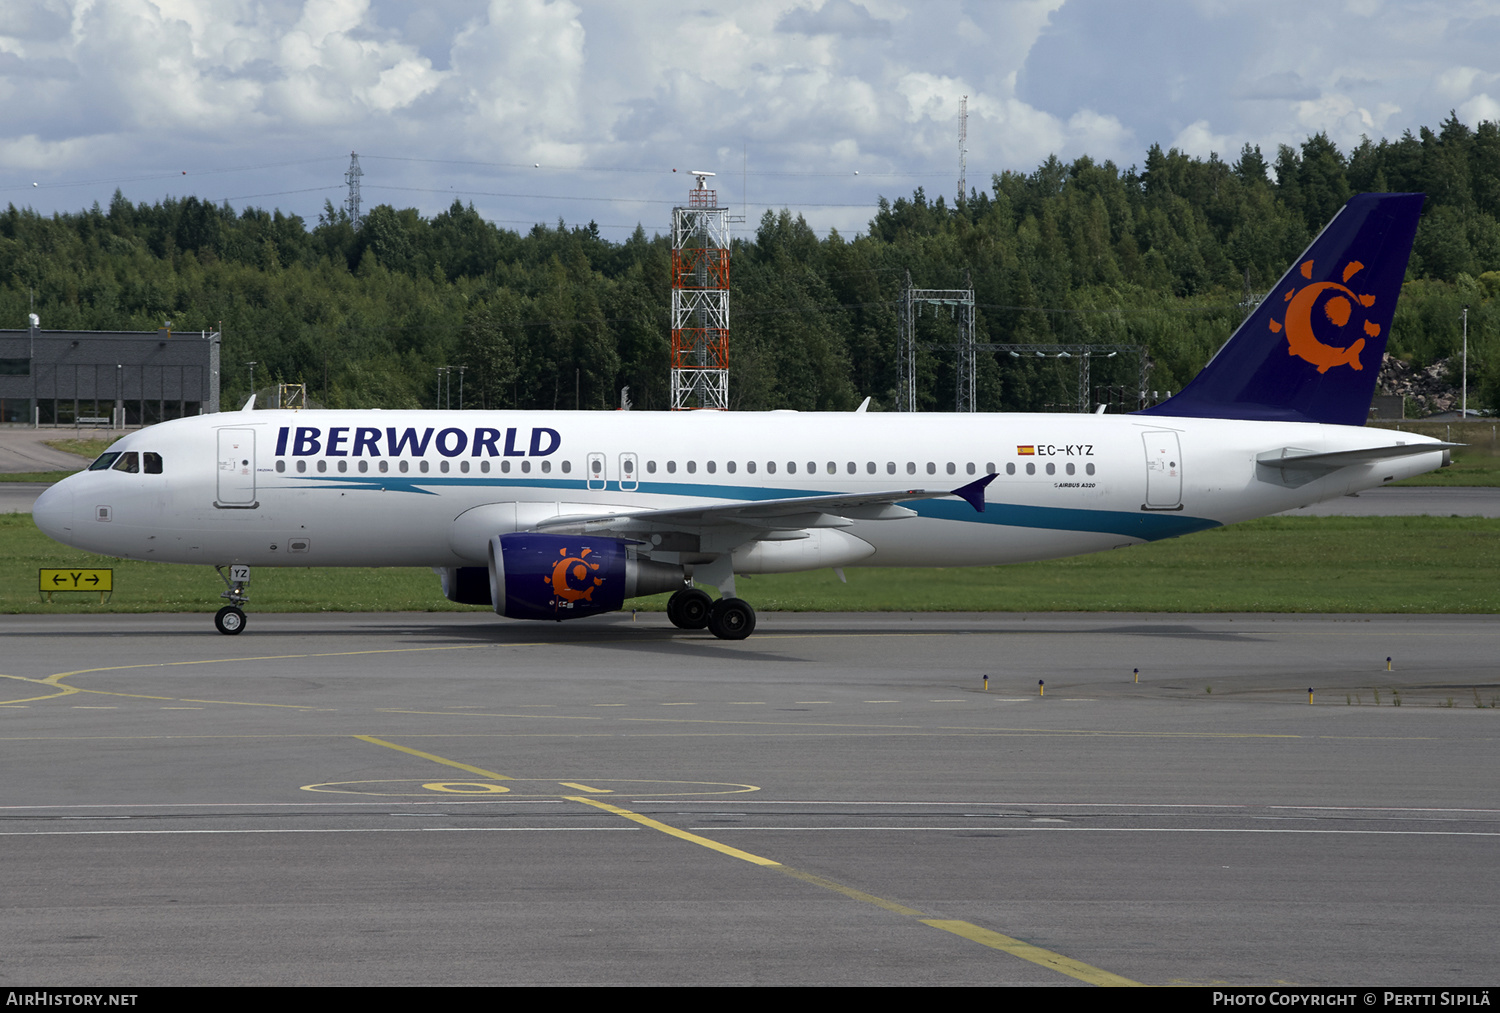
x=113 y=378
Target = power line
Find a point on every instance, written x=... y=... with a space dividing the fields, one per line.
x=534 y=166
x=165 y=174
x=604 y=200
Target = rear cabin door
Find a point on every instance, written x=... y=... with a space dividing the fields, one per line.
x=1163 y=471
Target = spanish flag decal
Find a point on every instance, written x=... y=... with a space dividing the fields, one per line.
x=1027 y=451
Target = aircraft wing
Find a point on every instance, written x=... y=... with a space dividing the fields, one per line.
x=790 y=514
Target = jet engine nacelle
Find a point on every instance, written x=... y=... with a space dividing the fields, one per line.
x=535 y=576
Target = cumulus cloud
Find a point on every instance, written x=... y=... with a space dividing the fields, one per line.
x=1479 y=109
x=95 y=89
x=835 y=17
x=1286 y=84
x=1198 y=139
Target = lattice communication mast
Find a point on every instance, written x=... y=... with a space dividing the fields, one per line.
x=700 y=300
x=963 y=150
x=351 y=180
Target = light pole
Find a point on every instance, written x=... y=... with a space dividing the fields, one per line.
x=1464 y=404
x=33 y=321
x=252 y=378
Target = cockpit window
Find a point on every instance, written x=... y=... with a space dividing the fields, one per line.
x=105 y=460
x=129 y=461
x=153 y=462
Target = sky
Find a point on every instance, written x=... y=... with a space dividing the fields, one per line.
x=597 y=110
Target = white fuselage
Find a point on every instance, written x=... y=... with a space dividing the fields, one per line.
x=398 y=488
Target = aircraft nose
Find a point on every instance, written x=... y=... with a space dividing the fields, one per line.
x=53 y=511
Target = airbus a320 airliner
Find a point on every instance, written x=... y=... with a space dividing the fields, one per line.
x=560 y=515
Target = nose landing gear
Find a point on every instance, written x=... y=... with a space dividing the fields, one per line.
x=230 y=619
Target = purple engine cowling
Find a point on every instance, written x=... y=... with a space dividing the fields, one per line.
x=536 y=576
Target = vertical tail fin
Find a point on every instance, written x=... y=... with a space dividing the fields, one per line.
x=1311 y=351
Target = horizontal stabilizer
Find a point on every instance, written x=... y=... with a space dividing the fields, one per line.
x=1291 y=457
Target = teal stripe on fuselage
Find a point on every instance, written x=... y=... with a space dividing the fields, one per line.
x=1148 y=526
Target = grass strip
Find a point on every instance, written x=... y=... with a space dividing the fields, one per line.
x=1278 y=564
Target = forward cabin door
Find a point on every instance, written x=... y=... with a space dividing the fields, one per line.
x=236 y=469
x=1163 y=471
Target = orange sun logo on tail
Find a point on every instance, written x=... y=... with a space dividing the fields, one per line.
x=571 y=576
x=1338 y=308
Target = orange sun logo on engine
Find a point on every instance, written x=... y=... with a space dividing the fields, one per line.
x=571 y=576
x=1338 y=308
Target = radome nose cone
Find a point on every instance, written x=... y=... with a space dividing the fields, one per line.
x=53 y=512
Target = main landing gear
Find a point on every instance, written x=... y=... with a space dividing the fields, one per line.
x=727 y=618
x=230 y=619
